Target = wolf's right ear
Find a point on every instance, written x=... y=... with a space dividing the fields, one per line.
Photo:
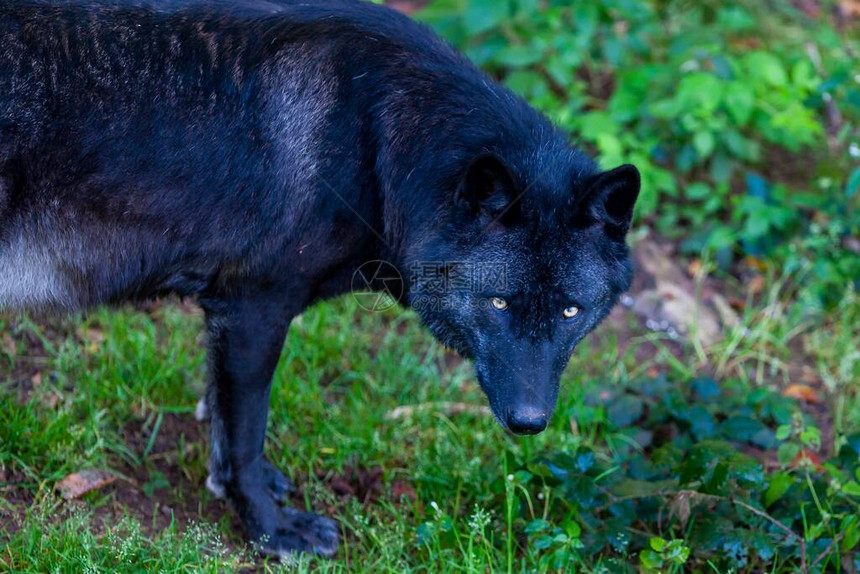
x=610 y=197
x=487 y=188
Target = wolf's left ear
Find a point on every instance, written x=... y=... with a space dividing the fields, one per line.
x=487 y=188
x=610 y=197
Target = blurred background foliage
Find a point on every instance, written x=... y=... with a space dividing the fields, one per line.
x=742 y=116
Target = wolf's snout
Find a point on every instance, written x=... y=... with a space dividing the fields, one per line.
x=527 y=420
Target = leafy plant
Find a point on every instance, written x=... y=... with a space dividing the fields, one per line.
x=662 y=554
x=707 y=475
x=724 y=107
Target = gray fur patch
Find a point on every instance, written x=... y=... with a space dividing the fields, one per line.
x=29 y=277
x=302 y=87
x=219 y=467
x=201 y=412
x=214 y=486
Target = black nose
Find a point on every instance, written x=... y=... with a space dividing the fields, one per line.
x=527 y=421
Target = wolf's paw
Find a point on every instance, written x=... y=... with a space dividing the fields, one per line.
x=278 y=485
x=297 y=531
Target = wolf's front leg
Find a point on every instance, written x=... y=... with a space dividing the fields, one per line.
x=245 y=341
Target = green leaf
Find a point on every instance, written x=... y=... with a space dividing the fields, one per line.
x=657 y=544
x=741 y=428
x=561 y=72
x=677 y=552
x=572 y=529
x=519 y=56
x=666 y=109
x=787 y=452
x=767 y=67
x=483 y=15
x=706 y=388
x=526 y=83
x=594 y=124
x=702 y=423
x=611 y=149
x=584 y=460
x=740 y=102
x=542 y=542
x=625 y=410
x=704 y=143
x=852 y=488
x=721 y=237
x=735 y=18
x=850 y=529
x=811 y=437
x=746 y=470
x=697 y=191
x=522 y=477
x=650 y=559
x=738 y=145
x=700 y=92
x=783 y=432
x=853 y=185
x=717 y=482
x=779 y=484
x=803 y=76
x=536 y=526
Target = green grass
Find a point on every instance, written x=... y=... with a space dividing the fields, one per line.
x=117 y=390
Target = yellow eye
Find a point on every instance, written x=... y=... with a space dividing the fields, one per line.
x=570 y=312
x=499 y=303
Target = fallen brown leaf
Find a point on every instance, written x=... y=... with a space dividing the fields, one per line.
x=802 y=393
x=79 y=483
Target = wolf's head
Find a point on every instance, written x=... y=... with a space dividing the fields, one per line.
x=525 y=259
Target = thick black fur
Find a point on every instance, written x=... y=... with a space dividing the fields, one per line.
x=254 y=154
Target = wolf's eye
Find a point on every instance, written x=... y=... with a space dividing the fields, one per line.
x=499 y=303
x=570 y=312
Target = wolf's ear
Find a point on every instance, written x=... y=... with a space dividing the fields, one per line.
x=487 y=188
x=610 y=197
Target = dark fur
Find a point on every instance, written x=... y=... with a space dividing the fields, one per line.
x=254 y=154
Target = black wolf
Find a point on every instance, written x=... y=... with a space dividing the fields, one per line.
x=254 y=154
